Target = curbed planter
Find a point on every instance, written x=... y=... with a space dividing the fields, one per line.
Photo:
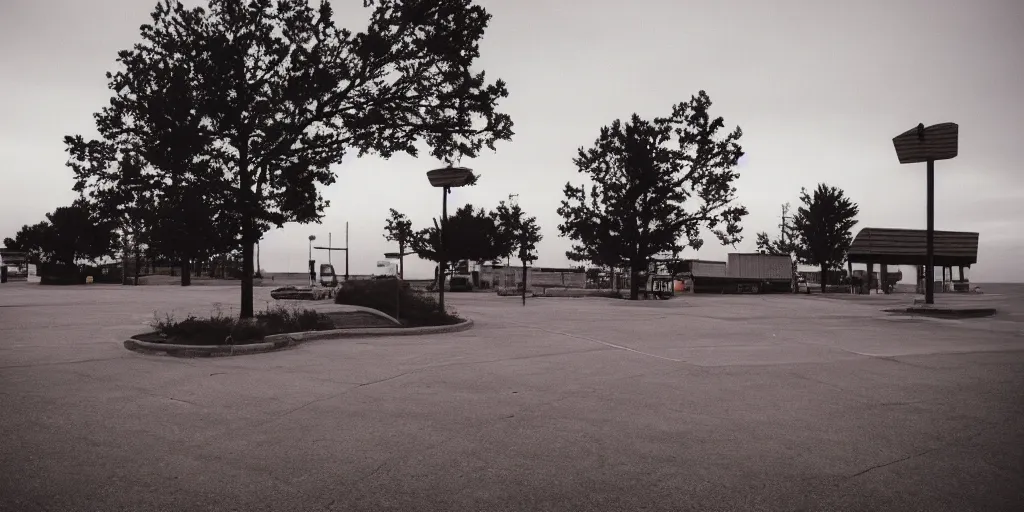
x=282 y=341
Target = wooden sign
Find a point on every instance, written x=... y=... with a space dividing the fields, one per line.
x=450 y=176
x=920 y=144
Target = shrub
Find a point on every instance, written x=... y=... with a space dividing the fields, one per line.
x=417 y=309
x=281 y=320
x=218 y=329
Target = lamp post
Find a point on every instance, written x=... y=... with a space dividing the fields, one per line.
x=917 y=145
x=312 y=278
x=446 y=178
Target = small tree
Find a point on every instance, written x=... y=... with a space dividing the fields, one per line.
x=784 y=245
x=468 y=235
x=823 y=224
x=516 y=233
x=652 y=183
x=399 y=229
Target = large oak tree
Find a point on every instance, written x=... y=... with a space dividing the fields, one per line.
x=652 y=183
x=279 y=93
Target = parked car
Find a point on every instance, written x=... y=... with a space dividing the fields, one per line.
x=460 y=284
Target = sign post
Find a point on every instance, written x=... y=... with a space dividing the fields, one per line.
x=917 y=145
x=446 y=178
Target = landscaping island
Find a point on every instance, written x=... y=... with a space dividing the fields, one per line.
x=360 y=308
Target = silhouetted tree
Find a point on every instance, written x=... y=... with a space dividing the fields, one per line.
x=282 y=93
x=652 y=183
x=69 y=234
x=516 y=233
x=823 y=225
x=468 y=234
x=399 y=229
x=30 y=240
x=155 y=142
x=784 y=245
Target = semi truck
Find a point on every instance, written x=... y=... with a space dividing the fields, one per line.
x=742 y=273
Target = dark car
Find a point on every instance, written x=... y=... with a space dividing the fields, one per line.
x=460 y=284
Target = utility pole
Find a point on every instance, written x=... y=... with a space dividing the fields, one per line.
x=513 y=200
x=785 y=244
x=785 y=210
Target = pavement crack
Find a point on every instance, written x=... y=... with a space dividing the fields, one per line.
x=154 y=395
x=897 y=461
x=602 y=342
x=471 y=363
x=60 y=363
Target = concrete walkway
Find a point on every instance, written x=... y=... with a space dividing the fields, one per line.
x=698 y=403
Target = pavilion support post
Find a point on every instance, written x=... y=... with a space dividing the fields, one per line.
x=962 y=278
x=849 y=274
x=884 y=277
x=867 y=278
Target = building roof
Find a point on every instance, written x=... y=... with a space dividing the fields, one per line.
x=909 y=247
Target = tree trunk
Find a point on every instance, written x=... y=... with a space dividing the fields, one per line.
x=138 y=263
x=401 y=261
x=186 y=274
x=245 y=186
x=258 y=274
x=824 y=278
x=634 y=284
x=524 y=282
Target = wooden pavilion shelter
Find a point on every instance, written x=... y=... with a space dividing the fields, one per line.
x=909 y=247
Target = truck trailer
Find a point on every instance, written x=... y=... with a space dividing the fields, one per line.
x=742 y=273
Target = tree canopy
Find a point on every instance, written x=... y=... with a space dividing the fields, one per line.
x=247 y=105
x=823 y=225
x=398 y=228
x=69 y=234
x=469 y=234
x=785 y=244
x=516 y=233
x=653 y=183
x=30 y=239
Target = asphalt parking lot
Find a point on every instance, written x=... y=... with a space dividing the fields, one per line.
x=697 y=403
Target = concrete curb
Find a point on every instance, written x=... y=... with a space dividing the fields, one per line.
x=300 y=337
x=276 y=342
x=945 y=312
x=206 y=350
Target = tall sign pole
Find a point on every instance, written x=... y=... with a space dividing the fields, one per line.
x=446 y=178
x=926 y=145
x=346 y=250
x=929 y=283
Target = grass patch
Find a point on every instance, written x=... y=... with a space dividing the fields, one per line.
x=412 y=308
x=218 y=329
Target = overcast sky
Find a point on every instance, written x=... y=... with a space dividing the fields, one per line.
x=818 y=87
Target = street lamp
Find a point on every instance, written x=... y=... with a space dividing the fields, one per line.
x=920 y=144
x=312 y=274
x=446 y=178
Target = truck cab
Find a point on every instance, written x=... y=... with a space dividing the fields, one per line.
x=327 y=277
